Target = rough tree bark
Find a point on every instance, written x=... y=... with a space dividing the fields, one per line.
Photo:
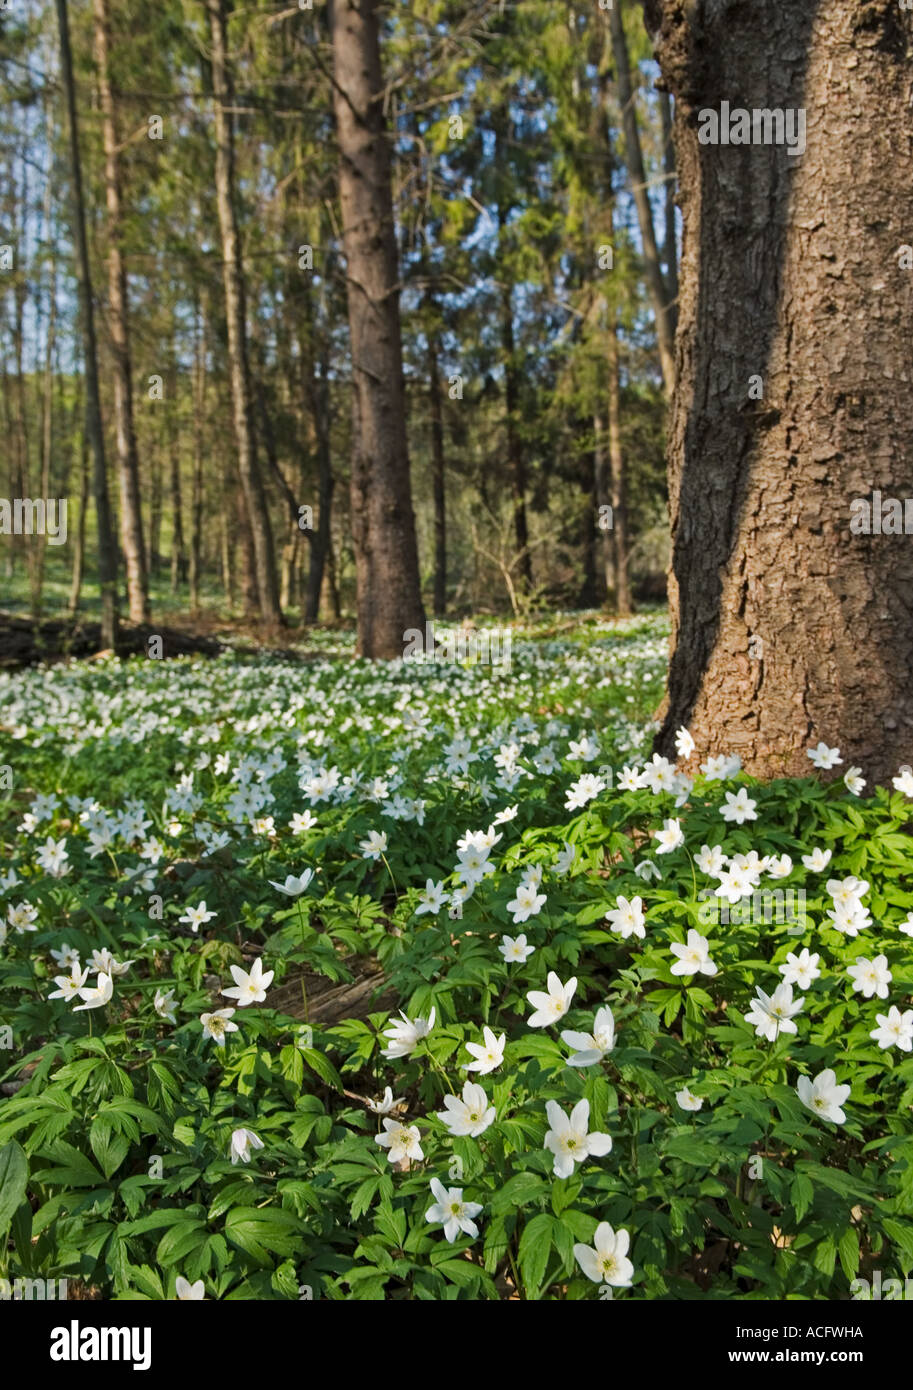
x=235 y=315
x=107 y=550
x=131 y=518
x=787 y=627
x=383 y=524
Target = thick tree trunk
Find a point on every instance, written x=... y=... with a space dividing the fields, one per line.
x=239 y=368
x=107 y=550
x=659 y=293
x=383 y=525
x=131 y=519
x=788 y=627
x=79 y=546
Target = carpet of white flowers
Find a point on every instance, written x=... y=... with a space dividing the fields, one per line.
x=588 y=1060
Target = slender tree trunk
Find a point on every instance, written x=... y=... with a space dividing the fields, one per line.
x=389 y=597
x=790 y=625
x=670 y=241
x=438 y=476
x=659 y=294
x=259 y=527
x=79 y=549
x=196 y=499
x=107 y=549
x=131 y=516
x=47 y=424
x=617 y=492
x=178 y=555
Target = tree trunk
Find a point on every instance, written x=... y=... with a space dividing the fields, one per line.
x=617 y=491
x=389 y=597
x=107 y=550
x=438 y=476
x=670 y=241
x=196 y=499
x=239 y=368
x=659 y=294
x=131 y=518
x=178 y=555
x=788 y=627
x=79 y=549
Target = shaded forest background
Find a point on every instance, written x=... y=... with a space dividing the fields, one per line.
x=533 y=192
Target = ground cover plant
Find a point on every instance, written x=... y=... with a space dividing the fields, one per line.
x=620 y=1032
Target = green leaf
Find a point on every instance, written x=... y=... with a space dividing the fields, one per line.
x=14 y=1176
x=535 y=1244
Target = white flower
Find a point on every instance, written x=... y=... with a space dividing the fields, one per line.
x=800 y=970
x=818 y=860
x=850 y=918
x=98 y=995
x=710 y=861
x=527 y=903
x=853 y=781
x=374 y=846
x=293 y=887
x=67 y=957
x=515 y=948
x=401 y=1141
x=627 y=917
x=894 y=1029
x=822 y=1095
x=735 y=884
x=824 y=757
x=906 y=926
x=565 y=859
x=70 y=985
x=583 y=790
x=187 y=1292
x=21 y=917
x=406 y=1036
x=903 y=782
x=846 y=892
x=551 y=1007
x=249 y=988
x=630 y=779
x=684 y=743
x=301 y=821
x=431 y=898
x=508 y=814
x=870 y=976
x=470 y=1116
x=646 y=870
x=216 y=1025
x=592 y=1047
x=773 y=1014
x=694 y=956
x=386 y=1103
x=606 y=1260
x=103 y=962
x=687 y=1100
x=568 y=1139
x=450 y=1209
x=164 y=1005
x=488 y=1054
x=670 y=837
x=658 y=775
x=242 y=1141
x=195 y=917
x=779 y=868
x=739 y=807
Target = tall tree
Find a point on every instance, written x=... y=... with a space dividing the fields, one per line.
x=659 y=293
x=131 y=518
x=383 y=525
x=788 y=627
x=258 y=520
x=107 y=549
